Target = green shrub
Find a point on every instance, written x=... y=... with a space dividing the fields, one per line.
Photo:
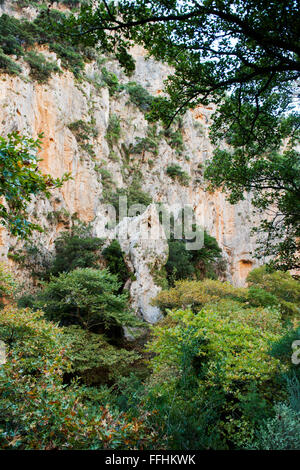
x=94 y=360
x=139 y=96
x=115 y=261
x=13 y=33
x=111 y=81
x=185 y=264
x=282 y=288
x=219 y=363
x=282 y=350
x=113 y=131
x=176 y=173
x=281 y=432
x=17 y=35
x=75 y=250
x=71 y=3
x=38 y=411
x=83 y=131
x=86 y=297
x=8 y=65
x=196 y=294
x=41 y=69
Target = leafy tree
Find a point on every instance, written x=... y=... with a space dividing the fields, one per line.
x=184 y=264
x=281 y=432
x=243 y=57
x=20 y=180
x=39 y=411
x=284 y=289
x=115 y=261
x=86 y=297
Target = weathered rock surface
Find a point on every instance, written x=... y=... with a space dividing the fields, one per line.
x=32 y=108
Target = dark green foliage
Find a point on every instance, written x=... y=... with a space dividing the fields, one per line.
x=113 y=131
x=16 y=36
x=283 y=351
x=93 y=359
x=71 y=3
x=139 y=96
x=7 y=65
x=75 y=251
x=187 y=264
x=86 y=297
x=176 y=173
x=71 y=59
x=115 y=261
x=41 y=69
x=275 y=287
x=179 y=264
x=20 y=179
x=279 y=433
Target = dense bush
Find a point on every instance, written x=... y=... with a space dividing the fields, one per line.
x=115 y=261
x=38 y=411
x=196 y=294
x=283 y=350
x=281 y=432
x=7 y=65
x=185 y=264
x=110 y=80
x=94 y=360
x=41 y=69
x=86 y=297
x=281 y=285
x=219 y=363
x=17 y=36
x=76 y=249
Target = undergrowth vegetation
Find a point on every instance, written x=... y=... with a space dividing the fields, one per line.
x=216 y=372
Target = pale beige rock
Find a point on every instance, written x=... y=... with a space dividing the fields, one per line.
x=32 y=108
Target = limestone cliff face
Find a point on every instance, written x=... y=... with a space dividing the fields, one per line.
x=32 y=108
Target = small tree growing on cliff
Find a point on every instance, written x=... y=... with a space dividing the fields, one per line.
x=20 y=179
x=88 y=298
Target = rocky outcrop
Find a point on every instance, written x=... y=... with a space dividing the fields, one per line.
x=143 y=241
x=97 y=167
